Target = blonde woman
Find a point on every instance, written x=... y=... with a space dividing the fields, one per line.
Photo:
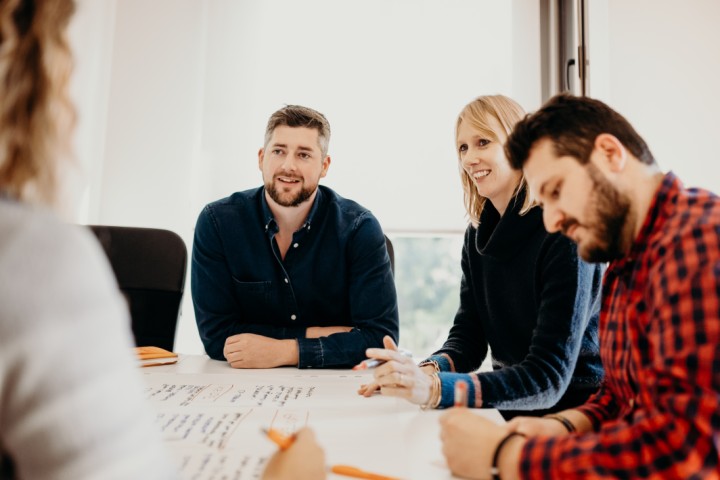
x=71 y=403
x=525 y=295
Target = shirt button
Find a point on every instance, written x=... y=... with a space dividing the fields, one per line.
x=293 y=317
x=295 y=246
x=286 y=281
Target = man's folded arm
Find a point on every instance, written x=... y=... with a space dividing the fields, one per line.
x=373 y=303
x=216 y=310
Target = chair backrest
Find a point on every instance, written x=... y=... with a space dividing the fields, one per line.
x=150 y=266
x=391 y=253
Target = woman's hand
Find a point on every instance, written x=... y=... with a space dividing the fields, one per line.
x=398 y=376
x=369 y=389
x=304 y=460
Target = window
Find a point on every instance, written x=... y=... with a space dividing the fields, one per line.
x=427 y=278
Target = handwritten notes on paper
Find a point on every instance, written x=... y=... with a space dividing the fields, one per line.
x=211 y=429
x=214 y=423
x=212 y=417
x=251 y=392
x=209 y=465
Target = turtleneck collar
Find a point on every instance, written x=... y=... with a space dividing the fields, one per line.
x=502 y=236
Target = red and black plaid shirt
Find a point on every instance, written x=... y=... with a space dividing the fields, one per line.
x=657 y=414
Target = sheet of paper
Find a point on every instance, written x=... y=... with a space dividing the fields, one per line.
x=207 y=465
x=213 y=422
x=254 y=391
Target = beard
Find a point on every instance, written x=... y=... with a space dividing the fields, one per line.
x=609 y=222
x=287 y=199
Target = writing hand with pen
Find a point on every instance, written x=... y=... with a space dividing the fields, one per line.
x=299 y=457
x=282 y=466
x=397 y=375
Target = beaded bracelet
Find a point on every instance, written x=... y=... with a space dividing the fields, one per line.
x=495 y=470
x=566 y=423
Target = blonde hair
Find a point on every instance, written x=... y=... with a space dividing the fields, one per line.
x=483 y=114
x=36 y=115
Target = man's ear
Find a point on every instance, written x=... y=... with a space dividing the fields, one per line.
x=612 y=154
x=261 y=155
x=325 y=166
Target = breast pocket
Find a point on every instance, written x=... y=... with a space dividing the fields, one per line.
x=253 y=294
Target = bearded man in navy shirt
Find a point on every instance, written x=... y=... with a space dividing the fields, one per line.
x=291 y=273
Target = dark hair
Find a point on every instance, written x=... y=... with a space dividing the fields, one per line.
x=36 y=115
x=298 y=116
x=572 y=124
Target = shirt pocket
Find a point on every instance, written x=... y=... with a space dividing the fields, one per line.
x=253 y=293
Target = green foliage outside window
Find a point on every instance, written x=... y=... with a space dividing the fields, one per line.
x=427 y=278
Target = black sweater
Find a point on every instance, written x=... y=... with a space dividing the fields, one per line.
x=527 y=295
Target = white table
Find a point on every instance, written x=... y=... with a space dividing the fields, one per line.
x=212 y=416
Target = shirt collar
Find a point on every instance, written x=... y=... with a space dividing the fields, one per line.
x=269 y=220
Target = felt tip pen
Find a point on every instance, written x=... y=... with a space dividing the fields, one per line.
x=281 y=440
x=461 y=393
x=355 y=472
x=374 y=362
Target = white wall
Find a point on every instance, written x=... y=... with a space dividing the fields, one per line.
x=91 y=38
x=658 y=64
x=190 y=85
x=173 y=96
x=389 y=75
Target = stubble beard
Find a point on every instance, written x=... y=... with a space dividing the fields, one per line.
x=610 y=224
x=286 y=199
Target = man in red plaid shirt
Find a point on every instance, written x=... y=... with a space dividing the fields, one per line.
x=657 y=414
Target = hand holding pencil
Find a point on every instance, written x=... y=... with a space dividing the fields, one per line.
x=285 y=442
x=369 y=389
x=397 y=375
x=299 y=457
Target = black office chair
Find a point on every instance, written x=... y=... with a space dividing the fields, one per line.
x=391 y=253
x=150 y=266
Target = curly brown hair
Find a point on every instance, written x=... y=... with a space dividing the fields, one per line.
x=36 y=115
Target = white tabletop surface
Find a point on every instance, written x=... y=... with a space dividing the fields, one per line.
x=379 y=434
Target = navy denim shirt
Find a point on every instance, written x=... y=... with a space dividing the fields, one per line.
x=336 y=272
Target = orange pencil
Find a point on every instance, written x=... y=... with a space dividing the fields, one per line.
x=281 y=440
x=355 y=472
x=461 y=393
x=284 y=442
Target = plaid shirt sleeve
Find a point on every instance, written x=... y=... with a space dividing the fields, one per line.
x=677 y=436
x=659 y=410
x=600 y=407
